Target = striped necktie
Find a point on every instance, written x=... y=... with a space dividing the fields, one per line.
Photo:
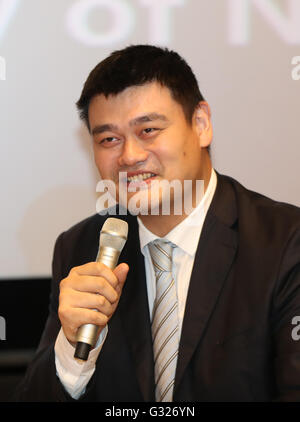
x=164 y=326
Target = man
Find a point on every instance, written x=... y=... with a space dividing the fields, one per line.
x=201 y=306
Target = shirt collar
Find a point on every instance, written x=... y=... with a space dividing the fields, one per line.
x=187 y=233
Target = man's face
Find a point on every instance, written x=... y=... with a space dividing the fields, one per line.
x=143 y=131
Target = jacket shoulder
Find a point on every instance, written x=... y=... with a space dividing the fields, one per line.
x=84 y=228
x=258 y=212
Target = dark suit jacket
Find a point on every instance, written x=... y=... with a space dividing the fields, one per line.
x=236 y=342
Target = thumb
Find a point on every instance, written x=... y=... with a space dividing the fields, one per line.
x=121 y=272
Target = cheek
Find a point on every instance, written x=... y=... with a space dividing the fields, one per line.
x=167 y=152
x=97 y=159
x=104 y=165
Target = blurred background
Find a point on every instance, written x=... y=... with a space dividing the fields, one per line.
x=246 y=56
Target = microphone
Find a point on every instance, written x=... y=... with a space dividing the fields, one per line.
x=113 y=236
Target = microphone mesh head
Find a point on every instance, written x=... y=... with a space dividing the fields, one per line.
x=114 y=234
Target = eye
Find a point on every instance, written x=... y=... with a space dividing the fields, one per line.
x=108 y=140
x=149 y=130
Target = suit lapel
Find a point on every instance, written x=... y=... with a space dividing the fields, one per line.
x=214 y=257
x=134 y=312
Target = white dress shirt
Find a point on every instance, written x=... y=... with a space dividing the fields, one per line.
x=74 y=375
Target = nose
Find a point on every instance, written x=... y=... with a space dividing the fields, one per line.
x=132 y=153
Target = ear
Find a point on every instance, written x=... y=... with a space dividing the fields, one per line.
x=203 y=125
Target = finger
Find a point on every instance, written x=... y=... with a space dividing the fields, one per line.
x=91 y=301
x=73 y=318
x=96 y=285
x=96 y=269
x=121 y=272
x=80 y=316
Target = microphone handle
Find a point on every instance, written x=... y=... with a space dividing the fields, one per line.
x=87 y=334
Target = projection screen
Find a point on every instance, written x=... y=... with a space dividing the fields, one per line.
x=245 y=54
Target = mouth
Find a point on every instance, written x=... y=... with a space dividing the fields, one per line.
x=140 y=177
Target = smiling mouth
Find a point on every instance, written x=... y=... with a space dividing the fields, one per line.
x=140 y=177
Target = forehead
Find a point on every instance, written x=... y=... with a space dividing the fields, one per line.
x=133 y=101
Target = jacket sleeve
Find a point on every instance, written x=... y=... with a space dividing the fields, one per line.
x=41 y=382
x=286 y=309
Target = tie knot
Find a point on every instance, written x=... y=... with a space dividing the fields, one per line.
x=161 y=255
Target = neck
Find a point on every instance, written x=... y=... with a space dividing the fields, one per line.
x=161 y=225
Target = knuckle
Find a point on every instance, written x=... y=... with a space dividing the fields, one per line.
x=73 y=271
x=100 y=267
x=95 y=317
x=62 y=284
x=115 y=280
x=62 y=298
x=99 y=318
x=110 y=312
x=104 y=319
x=66 y=282
x=101 y=300
x=62 y=312
x=116 y=297
x=101 y=284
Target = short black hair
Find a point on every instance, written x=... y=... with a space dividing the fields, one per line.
x=137 y=65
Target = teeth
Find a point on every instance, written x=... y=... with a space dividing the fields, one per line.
x=139 y=177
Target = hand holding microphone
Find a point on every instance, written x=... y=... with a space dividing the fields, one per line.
x=96 y=286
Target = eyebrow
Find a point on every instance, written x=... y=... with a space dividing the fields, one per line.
x=110 y=127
